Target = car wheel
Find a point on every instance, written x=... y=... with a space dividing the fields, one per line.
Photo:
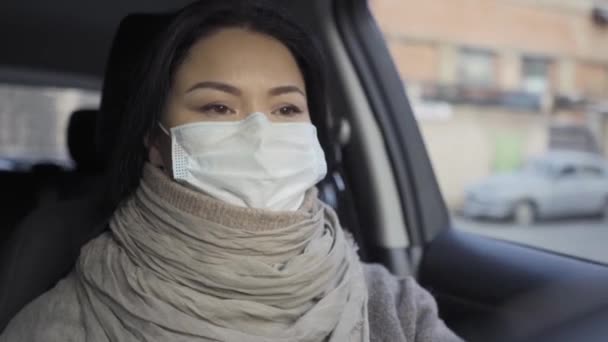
x=524 y=213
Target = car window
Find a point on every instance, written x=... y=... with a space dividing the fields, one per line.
x=502 y=100
x=591 y=171
x=568 y=171
x=33 y=124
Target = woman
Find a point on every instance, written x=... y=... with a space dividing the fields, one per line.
x=218 y=234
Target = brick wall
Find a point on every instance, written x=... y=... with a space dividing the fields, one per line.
x=417 y=61
x=592 y=78
x=496 y=24
x=424 y=36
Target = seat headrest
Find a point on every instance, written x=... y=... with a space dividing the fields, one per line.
x=81 y=141
x=134 y=36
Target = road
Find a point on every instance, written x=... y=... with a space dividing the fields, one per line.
x=587 y=239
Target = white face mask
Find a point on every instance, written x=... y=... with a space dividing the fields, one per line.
x=250 y=163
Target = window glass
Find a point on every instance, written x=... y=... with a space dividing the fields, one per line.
x=476 y=67
x=568 y=171
x=535 y=75
x=507 y=93
x=33 y=124
x=592 y=171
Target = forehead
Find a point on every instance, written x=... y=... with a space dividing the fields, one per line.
x=234 y=54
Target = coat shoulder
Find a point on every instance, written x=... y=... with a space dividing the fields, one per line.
x=401 y=310
x=53 y=316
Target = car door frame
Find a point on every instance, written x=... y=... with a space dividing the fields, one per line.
x=475 y=279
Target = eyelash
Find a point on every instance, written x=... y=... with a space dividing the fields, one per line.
x=218 y=109
x=294 y=110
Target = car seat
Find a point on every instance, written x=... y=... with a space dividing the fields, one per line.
x=44 y=247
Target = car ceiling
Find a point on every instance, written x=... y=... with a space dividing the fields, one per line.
x=66 y=36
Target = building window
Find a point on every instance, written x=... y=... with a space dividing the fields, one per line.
x=476 y=67
x=536 y=75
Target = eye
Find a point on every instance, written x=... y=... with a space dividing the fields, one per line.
x=219 y=109
x=289 y=110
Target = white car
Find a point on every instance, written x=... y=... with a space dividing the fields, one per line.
x=557 y=184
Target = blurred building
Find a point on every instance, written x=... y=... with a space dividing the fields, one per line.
x=513 y=47
x=494 y=82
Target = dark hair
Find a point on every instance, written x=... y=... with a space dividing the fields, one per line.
x=150 y=88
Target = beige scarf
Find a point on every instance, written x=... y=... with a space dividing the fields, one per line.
x=180 y=266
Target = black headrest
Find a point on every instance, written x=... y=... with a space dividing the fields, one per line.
x=81 y=143
x=132 y=40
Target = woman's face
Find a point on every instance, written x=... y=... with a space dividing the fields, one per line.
x=227 y=76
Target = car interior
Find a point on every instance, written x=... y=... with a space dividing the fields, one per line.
x=380 y=180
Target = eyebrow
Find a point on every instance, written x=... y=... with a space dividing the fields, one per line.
x=235 y=91
x=216 y=86
x=285 y=90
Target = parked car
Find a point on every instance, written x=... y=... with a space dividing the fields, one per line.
x=557 y=184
